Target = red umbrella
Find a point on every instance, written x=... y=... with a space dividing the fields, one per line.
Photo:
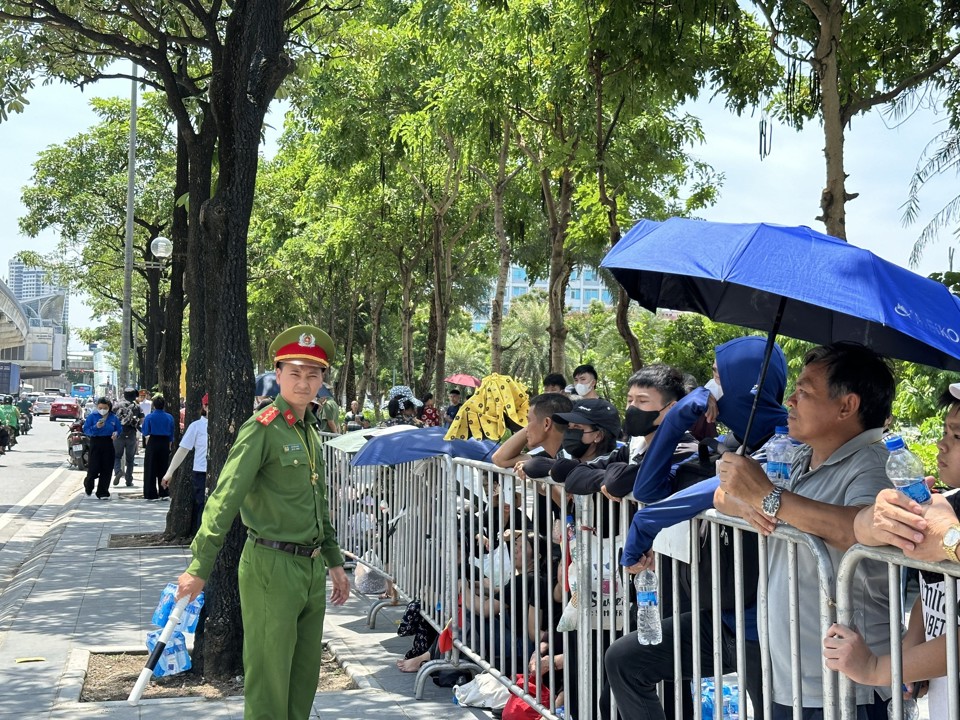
x=463 y=379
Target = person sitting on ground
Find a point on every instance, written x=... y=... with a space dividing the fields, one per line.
x=554 y=383
x=585 y=382
x=931 y=533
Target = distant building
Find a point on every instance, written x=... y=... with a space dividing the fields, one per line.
x=29 y=283
x=585 y=287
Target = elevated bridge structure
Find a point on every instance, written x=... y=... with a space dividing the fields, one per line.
x=31 y=334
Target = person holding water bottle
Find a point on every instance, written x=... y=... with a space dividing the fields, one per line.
x=925 y=527
x=274 y=477
x=838 y=411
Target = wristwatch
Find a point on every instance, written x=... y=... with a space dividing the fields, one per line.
x=951 y=539
x=771 y=503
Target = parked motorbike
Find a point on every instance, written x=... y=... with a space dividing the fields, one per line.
x=78 y=446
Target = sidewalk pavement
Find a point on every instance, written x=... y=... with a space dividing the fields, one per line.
x=72 y=595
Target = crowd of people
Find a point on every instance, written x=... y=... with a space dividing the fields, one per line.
x=838 y=490
x=667 y=451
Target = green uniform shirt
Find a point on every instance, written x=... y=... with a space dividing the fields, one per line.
x=329 y=411
x=11 y=415
x=267 y=478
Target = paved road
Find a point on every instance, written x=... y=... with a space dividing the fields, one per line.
x=31 y=474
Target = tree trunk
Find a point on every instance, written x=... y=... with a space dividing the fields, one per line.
x=253 y=67
x=370 y=361
x=151 y=350
x=199 y=149
x=180 y=515
x=497 y=192
x=407 y=308
x=346 y=385
x=558 y=218
x=826 y=63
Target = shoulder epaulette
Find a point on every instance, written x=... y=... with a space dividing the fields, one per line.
x=268 y=415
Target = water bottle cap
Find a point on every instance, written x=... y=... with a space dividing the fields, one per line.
x=781 y=430
x=569 y=518
x=894 y=442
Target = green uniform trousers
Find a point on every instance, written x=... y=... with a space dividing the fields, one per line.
x=282 y=600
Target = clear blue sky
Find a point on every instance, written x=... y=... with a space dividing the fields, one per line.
x=784 y=188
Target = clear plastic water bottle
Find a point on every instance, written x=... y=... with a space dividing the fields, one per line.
x=779 y=450
x=162 y=612
x=175 y=657
x=911 y=711
x=649 y=630
x=906 y=471
x=191 y=614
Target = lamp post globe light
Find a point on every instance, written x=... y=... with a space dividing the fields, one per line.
x=161 y=248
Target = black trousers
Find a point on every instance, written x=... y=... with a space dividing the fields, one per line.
x=633 y=670
x=100 y=466
x=155 y=462
x=199 y=498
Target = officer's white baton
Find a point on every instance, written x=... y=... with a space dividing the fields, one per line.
x=175 y=614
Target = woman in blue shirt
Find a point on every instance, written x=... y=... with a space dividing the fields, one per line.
x=102 y=427
x=157 y=431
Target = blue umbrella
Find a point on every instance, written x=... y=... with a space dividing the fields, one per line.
x=791 y=280
x=824 y=289
x=418 y=444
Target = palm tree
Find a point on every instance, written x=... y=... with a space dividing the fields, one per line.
x=940 y=156
x=526 y=341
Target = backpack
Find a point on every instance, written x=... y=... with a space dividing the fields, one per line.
x=699 y=467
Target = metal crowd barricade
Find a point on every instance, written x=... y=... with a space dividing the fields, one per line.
x=797 y=542
x=360 y=508
x=845 y=611
x=493 y=559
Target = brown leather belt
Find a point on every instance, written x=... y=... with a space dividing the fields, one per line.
x=292 y=548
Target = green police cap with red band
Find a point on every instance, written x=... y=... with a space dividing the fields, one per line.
x=303 y=345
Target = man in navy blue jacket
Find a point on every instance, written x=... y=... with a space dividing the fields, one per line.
x=157 y=431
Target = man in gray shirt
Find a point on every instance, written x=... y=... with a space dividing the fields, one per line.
x=841 y=404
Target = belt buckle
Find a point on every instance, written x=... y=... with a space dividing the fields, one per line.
x=315 y=554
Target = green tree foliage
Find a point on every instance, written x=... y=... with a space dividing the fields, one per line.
x=860 y=55
x=79 y=189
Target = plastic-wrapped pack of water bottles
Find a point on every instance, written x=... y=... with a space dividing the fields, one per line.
x=175 y=658
x=730 y=709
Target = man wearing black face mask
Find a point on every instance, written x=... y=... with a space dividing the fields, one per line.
x=651 y=393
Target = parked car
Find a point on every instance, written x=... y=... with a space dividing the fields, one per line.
x=41 y=406
x=65 y=407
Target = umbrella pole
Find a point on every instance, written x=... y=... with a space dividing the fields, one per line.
x=767 y=352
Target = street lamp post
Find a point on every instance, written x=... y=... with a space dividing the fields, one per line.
x=125 y=331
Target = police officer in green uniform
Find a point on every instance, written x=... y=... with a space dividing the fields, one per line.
x=274 y=477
